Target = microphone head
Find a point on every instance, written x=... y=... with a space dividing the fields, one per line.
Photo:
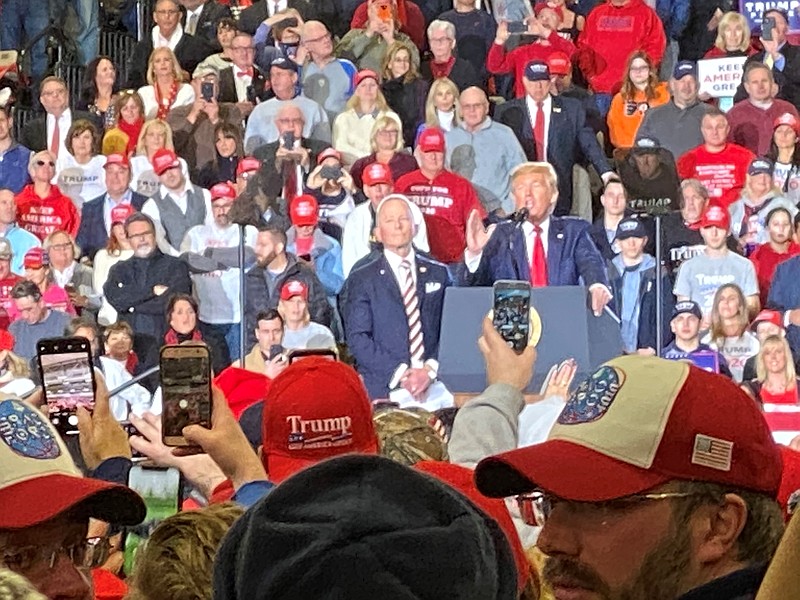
x=522 y=214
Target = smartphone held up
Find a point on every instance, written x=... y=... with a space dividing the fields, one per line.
x=186 y=390
x=67 y=374
x=511 y=312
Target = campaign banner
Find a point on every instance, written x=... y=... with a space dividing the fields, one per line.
x=752 y=11
x=719 y=77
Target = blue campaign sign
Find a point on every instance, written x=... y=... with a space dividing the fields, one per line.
x=753 y=11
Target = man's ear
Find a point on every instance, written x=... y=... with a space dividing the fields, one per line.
x=376 y=231
x=718 y=529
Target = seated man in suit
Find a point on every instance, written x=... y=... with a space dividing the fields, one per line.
x=291 y=154
x=243 y=83
x=543 y=249
x=188 y=49
x=393 y=309
x=553 y=129
x=96 y=221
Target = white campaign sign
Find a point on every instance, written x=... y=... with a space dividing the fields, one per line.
x=719 y=77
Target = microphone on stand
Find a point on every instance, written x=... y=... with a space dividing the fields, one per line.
x=518 y=218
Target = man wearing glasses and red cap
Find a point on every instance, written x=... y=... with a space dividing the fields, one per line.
x=648 y=486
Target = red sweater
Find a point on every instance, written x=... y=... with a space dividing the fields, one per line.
x=44 y=216
x=446 y=201
x=751 y=126
x=499 y=61
x=766 y=260
x=723 y=173
x=611 y=35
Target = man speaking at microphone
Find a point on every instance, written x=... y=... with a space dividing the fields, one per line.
x=535 y=247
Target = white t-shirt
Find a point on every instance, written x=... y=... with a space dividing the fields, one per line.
x=81 y=182
x=312 y=336
x=736 y=351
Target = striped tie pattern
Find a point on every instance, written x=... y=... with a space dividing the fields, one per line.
x=416 y=349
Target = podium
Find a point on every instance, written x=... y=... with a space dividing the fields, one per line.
x=569 y=330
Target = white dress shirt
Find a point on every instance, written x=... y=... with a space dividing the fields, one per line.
x=159 y=41
x=64 y=123
x=196 y=14
x=473 y=262
x=274 y=7
x=395 y=260
x=241 y=83
x=547 y=106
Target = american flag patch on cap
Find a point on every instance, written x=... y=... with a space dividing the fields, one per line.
x=712 y=452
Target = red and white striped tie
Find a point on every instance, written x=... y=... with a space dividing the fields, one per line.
x=416 y=349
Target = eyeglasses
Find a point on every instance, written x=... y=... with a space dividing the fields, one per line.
x=290 y=121
x=54 y=93
x=41 y=163
x=167 y=12
x=142 y=236
x=85 y=554
x=61 y=247
x=536 y=507
x=323 y=38
x=388 y=131
x=243 y=48
x=441 y=40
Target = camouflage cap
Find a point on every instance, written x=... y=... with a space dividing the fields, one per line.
x=408 y=436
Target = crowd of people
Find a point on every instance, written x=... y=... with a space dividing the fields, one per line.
x=268 y=178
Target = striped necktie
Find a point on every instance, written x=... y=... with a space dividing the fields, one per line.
x=411 y=304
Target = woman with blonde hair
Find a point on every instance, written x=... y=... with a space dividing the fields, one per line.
x=155 y=134
x=776 y=378
x=352 y=127
x=405 y=90
x=441 y=106
x=640 y=92
x=166 y=89
x=14 y=371
x=387 y=148
x=729 y=333
x=733 y=37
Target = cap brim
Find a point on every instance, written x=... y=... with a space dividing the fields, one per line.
x=37 y=500
x=564 y=469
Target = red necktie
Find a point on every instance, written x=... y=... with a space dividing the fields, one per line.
x=539 y=263
x=538 y=131
x=248 y=73
x=54 y=143
x=289 y=181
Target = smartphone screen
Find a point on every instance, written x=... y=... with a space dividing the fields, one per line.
x=161 y=491
x=512 y=302
x=186 y=390
x=67 y=375
x=767 y=26
x=207 y=90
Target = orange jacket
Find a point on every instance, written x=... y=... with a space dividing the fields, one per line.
x=624 y=117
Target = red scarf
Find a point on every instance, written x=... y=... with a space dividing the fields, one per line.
x=442 y=69
x=172 y=337
x=131 y=362
x=164 y=107
x=132 y=130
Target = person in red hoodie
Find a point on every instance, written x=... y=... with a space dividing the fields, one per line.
x=721 y=166
x=446 y=199
x=548 y=41
x=41 y=207
x=615 y=30
x=780 y=246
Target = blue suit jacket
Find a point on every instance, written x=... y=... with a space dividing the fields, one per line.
x=92 y=234
x=572 y=257
x=569 y=139
x=784 y=294
x=375 y=320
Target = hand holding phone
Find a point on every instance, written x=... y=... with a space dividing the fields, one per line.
x=207 y=91
x=767 y=26
x=512 y=303
x=67 y=374
x=186 y=390
x=330 y=172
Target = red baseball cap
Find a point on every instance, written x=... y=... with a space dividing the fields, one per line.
x=6 y=340
x=121 y=212
x=39 y=481
x=787 y=119
x=294 y=287
x=163 y=160
x=304 y=210
x=376 y=173
x=223 y=190
x=431 y=140
x=767 y=316
x=636 y=423
x=715 y=216
x=117 y=159
x=247 y=165
x=36 y=258
x=329 y=152
x=316 y=409
x=365 y=74
x=559 y=63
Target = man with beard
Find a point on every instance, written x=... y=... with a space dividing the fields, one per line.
x=140 y=287
x=681 y=506
x=274 y=266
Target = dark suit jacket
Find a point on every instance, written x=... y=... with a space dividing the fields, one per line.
x=190 y=52
x=788 y=80
x=92 y=234
x=375 y=320
x=34 y=134
x=266 y=153
x=462 y=74
x=206 y=29
x=569 y=140
x=227 y=86
x=317 y=10
x=572 y=257
x=784 y=294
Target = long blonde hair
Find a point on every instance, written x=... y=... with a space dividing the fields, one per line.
x=391 y=52
x=354 y=103
x=177 y=71
x=788 y=371
x=140 y=146
x=728 y=19
x=717 y=330
x=431 y=118
x=18 y=367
